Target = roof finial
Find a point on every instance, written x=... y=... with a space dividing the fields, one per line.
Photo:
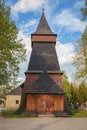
x=43 y=7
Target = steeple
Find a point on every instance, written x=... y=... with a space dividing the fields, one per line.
x=43 y=32
x=43 y=56
x=43 y=27
x=43 y=7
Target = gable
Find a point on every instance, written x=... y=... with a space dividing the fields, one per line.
x=45 y=85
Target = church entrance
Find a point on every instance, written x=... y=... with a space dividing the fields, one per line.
x=45 y=104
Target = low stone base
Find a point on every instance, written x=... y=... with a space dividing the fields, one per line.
x=61 y=114
x=30 y=113
x=45 y=115
x=36 y=114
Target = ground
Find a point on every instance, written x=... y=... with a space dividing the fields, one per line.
x=43 y=123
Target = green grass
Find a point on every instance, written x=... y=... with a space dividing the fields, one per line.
x=11 y=114
x=77 y=113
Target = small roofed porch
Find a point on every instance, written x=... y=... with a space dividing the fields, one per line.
x=45 y=96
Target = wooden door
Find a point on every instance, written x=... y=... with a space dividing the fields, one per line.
x=45 y=104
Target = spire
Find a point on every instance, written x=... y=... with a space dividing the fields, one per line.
x=43 y=27
x=43 y=7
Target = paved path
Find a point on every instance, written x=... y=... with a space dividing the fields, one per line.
x=43 y=123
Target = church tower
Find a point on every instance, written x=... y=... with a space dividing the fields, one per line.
x=42 y=90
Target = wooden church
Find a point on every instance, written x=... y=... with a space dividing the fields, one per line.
x=42 y=90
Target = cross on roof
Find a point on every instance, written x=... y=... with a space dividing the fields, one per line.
x=43 y=7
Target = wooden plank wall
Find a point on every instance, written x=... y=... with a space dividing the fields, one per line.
x=45 y=103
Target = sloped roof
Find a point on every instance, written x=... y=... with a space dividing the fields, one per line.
x=43 y=57
x=45 y=85
x=43 y=27
x=16 y=91
x=22 y=85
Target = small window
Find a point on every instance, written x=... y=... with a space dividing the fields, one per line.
x=17 y=101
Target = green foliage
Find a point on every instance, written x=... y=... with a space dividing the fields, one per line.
x=66 y=86
x=79 y=93
x=80 y=59
x=82 y=92
x=86 y=2
x=12 y=114
x=12 y=51
x=77 y=113
x=4 y=90
x=84 y=11
x=74 y=93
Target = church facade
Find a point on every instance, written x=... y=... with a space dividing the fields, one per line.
x=43 y=90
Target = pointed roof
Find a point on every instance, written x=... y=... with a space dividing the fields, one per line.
x=43 y=27
x=43 y=57
x=45 y=85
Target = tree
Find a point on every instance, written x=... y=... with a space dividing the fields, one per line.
x=66 y=86
x=5 y=90
x=80 y=59
x=12 y=51
x=82 y=92
x=74 y=90
x=78 y=92
x=84 y=11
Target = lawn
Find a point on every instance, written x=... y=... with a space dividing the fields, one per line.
x=77 y=113
x=11 y=114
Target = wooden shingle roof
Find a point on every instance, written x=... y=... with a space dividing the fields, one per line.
x=45 y=85
x=43 y=57
x=16 y=91
x=43 y=27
